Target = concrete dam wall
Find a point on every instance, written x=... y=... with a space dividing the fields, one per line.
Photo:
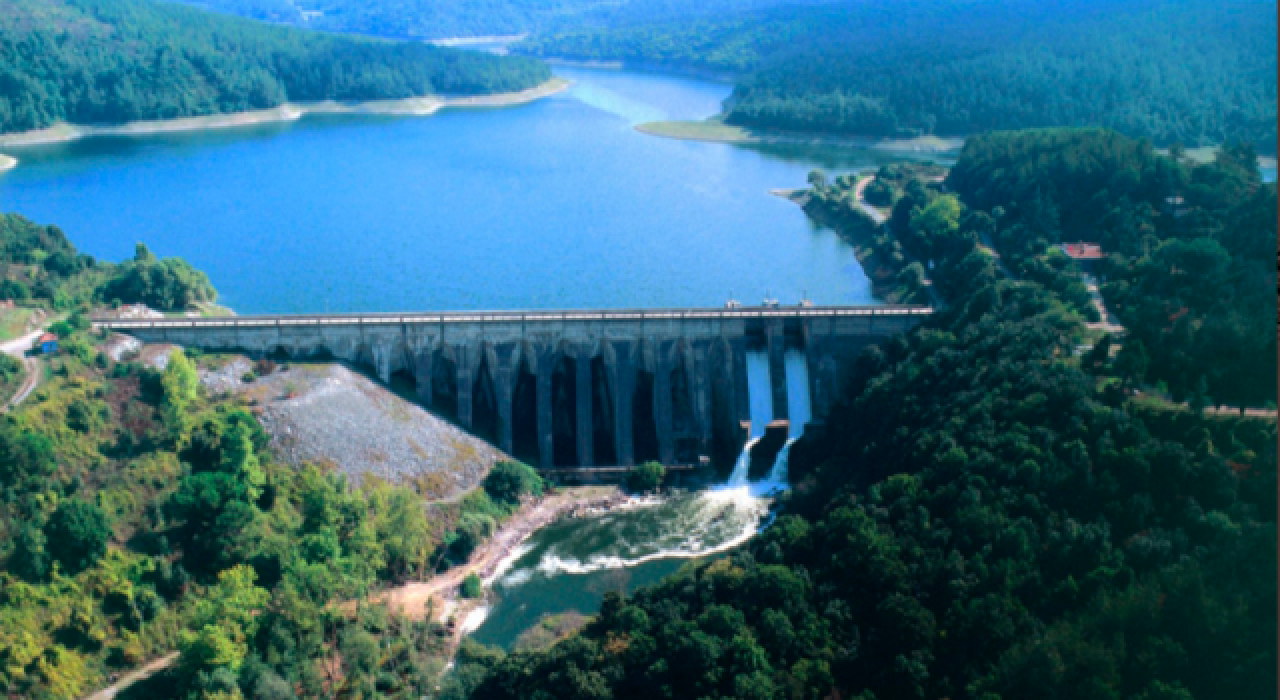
x=574 y=388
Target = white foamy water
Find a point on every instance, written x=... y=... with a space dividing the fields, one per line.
x=568 y=565
x=474 y=619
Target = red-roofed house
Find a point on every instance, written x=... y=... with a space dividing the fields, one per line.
x=1083 y=253
x=48 y=343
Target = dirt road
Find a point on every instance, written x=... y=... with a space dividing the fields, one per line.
x=137 y=674
x=18 y=348
x=875 y=214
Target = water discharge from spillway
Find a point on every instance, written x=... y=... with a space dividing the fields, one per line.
x=570 y=564
x=760 y=403
x=799 y=413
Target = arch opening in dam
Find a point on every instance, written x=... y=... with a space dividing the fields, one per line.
x=444 y=384
x=564 y=411
x=604 y=445
x=486 y=421
x=524 y=415
x=582 y=388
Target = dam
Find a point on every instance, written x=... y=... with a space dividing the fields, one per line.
x=580 y=387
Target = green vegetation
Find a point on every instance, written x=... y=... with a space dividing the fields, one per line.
x=1166 y=70
x=139 y=516
x=426 y=18
x=160 y=284
x=39 y=266
x=112 y=61
x=549 y=630
x=1193 y=281
x=647 y=477
x=472 y=587
x=509 y=482
x=890 y=255
x=985 y=514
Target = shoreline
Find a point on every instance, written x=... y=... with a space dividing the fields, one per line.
x=640 y=67
x=455 y=41
x=719 y=132
x=494 y=555
x=289 y=111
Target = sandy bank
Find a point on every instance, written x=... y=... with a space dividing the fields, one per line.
x=719 y=132
x=477 y=40
x=494 y=555
x=7 y=162
x=410 y=106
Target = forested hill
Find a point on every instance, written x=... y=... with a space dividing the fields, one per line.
x=433 y=19
x=986 y=513
x=111 y=61
x=1192 y=71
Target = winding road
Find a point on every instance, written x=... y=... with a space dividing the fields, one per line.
x=18 y=348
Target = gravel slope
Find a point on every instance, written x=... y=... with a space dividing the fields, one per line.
x=328 y=413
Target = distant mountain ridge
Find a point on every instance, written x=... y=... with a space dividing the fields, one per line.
x=113 y=61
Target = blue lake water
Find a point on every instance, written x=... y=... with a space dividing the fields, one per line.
x=555 y=204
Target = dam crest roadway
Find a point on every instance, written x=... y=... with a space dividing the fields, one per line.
x=576 y=387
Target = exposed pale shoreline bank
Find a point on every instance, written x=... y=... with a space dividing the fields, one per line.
x=719 y=132
x=410 y=106
x=455 y=41
x=7 y=162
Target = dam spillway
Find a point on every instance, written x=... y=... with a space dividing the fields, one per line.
x=578 y=388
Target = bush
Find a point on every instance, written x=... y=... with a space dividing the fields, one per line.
x=510 y=481
x=77 y=535
x=646 y=477
x=472 y=587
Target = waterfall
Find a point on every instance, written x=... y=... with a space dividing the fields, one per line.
x=799 y=411
x=777 y=480
x=741 y=467
x=760 y=401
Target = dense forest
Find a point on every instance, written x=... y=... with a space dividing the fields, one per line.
x=1190 y=248
x=140 y=515
x=1191 y=71
x=987 y=513
x=111 y=61
x=432 y=19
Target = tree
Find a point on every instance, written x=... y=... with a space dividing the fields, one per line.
x=30 y=558
x=1132 y=361
x=646 y=477
x=472 y=587
x=77 y=535
x=179 y=384
x=1099 y=355
x=509 y=481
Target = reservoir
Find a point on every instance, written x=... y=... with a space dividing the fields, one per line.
x=560 y=203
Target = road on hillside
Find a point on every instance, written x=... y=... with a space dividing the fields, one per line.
x=18 y=348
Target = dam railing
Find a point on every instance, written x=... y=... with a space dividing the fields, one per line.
x=734 y=313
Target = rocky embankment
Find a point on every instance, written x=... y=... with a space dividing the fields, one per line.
x=327 y=413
